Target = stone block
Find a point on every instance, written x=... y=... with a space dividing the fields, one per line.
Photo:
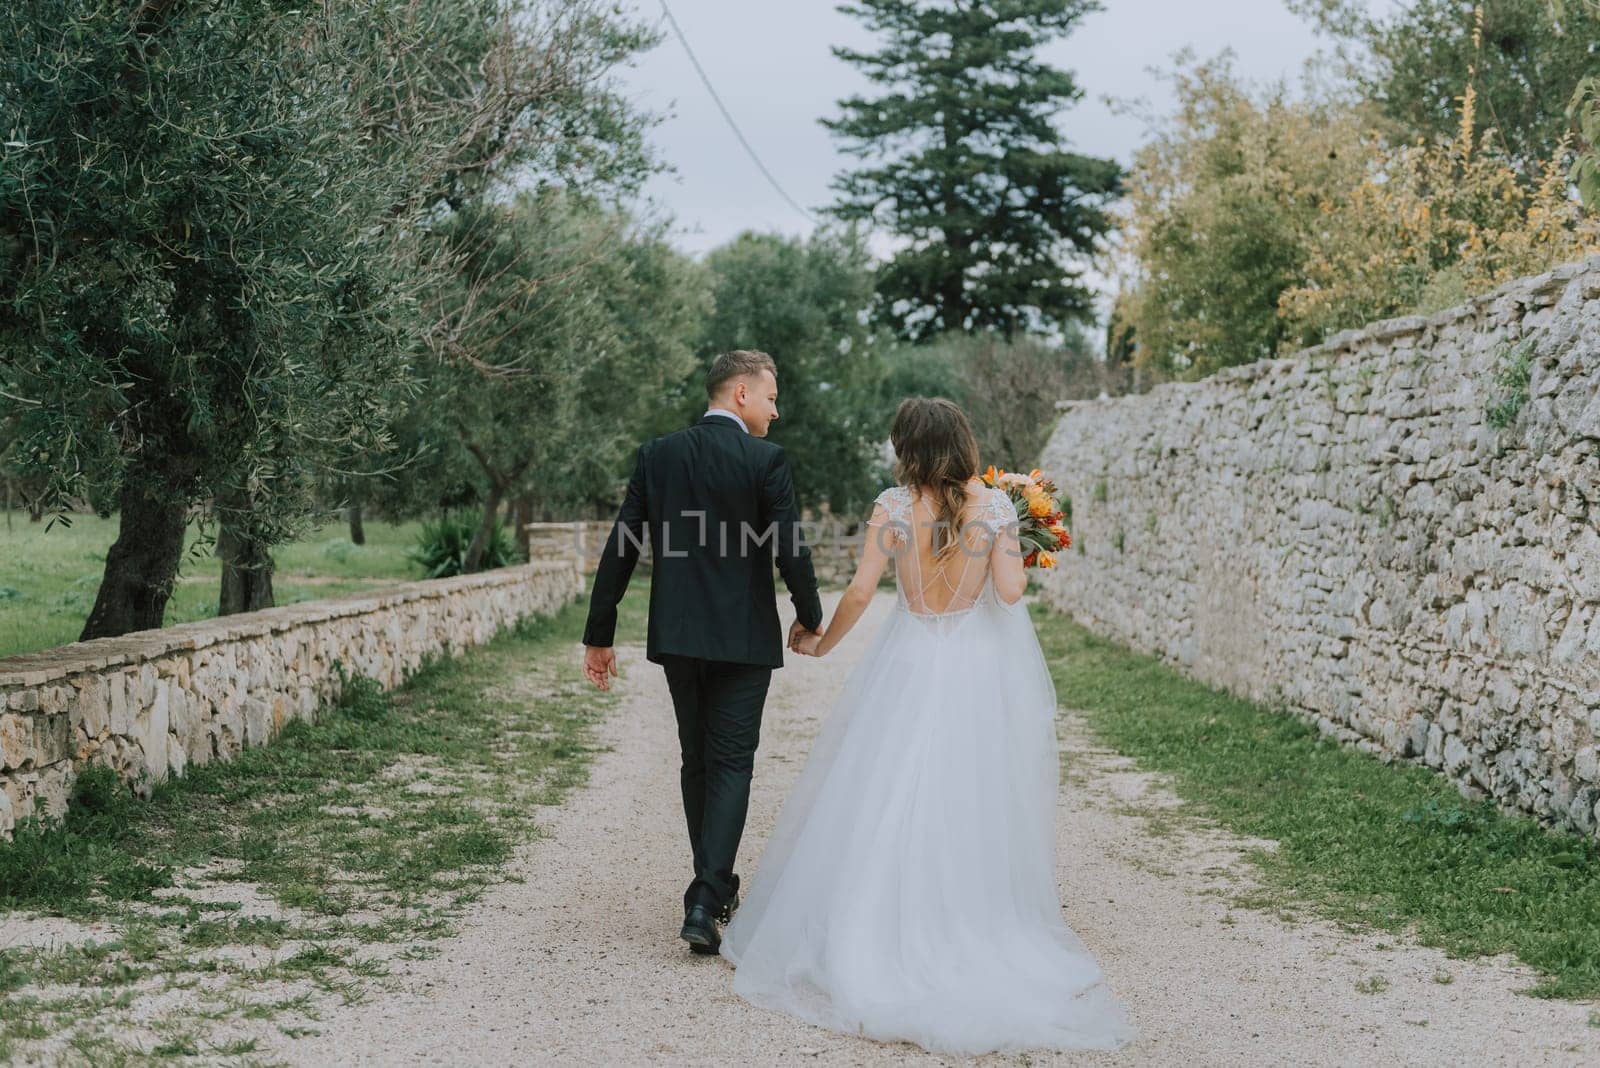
x=117 y=686
x=52 y=738
x=93 y=708
x=150 y=735
x=16 y=741
x=257 y=721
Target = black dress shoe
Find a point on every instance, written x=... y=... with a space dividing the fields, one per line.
x=729 y=907
x=700 y=930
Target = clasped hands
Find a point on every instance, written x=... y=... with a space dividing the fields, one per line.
x=804 y=641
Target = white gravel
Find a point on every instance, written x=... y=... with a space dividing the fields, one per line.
x=579 y=961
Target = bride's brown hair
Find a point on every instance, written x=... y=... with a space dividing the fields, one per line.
x=936 y=452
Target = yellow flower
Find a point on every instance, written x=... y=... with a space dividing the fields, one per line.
x=1047 y=559
x=1040 y=506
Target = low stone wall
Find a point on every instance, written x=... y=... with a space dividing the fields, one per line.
x=152 y=703
x=582 y=539
x=1346 y=533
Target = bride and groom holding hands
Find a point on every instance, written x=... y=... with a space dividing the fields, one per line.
x=907 y=891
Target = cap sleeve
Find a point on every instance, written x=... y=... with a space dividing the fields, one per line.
x=1000 y=509
x=896 y=503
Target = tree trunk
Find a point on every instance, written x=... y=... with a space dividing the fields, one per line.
x=521 y=516
x=358 y=533
x=246 y=571
x=480 y=540
x=142 y=563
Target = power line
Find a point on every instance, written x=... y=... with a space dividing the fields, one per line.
x=678 y=30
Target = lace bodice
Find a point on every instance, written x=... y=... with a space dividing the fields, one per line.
x=952 y=585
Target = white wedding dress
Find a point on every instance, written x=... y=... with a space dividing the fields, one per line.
x=908 y=890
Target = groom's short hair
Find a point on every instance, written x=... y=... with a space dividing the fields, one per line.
x=733 y=364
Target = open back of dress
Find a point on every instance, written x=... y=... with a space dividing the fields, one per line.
x=949 y=587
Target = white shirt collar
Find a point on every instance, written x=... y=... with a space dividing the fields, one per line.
x=731 y=415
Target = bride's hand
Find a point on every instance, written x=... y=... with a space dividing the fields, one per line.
x=807 y=644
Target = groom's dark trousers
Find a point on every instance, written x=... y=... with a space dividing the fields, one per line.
x=718 y=507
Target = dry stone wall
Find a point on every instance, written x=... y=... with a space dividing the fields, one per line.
x=583 y=539
x=1348 y=534
x=152 y=703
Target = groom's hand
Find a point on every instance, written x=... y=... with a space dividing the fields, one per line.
x=599 y=665
x=797 y=631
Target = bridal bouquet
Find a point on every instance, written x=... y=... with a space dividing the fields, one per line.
x=1039 y=517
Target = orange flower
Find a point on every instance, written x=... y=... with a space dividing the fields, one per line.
x=991 y=475
x=1040 y=507
x=1027 y=561
x=1046 y=559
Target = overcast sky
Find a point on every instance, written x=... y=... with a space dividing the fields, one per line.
x=770 y=61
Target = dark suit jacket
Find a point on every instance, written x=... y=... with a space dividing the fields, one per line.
x=718 y=504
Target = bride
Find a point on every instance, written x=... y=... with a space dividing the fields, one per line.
x=908 y=889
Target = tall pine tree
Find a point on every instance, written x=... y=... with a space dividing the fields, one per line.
x=962 y=161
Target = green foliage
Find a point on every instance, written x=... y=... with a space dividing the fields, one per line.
x=362 y=698
x=1584 y=114
x=59 y=862
x=1511 y=381
x=1435 y=221
x=569 y=322
x=1220 y=203
x=1008 y=389
x=206 y=302
x=1415 y=61
x=802 y=300
x=962 y=162
x=441 y=548
x=217 y=270
x=1260 y=224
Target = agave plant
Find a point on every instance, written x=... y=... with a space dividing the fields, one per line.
x=441 y=547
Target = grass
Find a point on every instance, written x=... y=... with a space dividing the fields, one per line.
x=50 y=572
x=365 y=833
x=1386 y=846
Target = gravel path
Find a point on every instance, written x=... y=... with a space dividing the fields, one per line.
x=577 y=960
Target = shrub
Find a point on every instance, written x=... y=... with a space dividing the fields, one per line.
x=1435 y=224
x=57 y=863
x=1513 y=378
x=442 y=545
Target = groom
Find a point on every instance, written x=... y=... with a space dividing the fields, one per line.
x=718 y=502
